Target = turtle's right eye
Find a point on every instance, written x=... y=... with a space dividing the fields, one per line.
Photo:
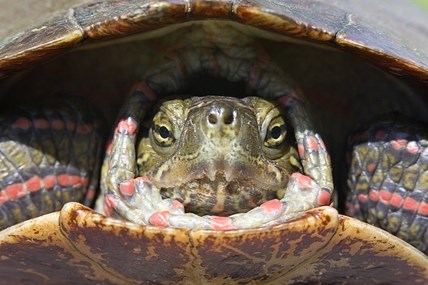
x=163 y=133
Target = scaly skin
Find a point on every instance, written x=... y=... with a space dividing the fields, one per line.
x=48 y=156
x=388 y=178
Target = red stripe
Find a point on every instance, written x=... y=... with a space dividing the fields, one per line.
x=145 y=89
x=34 y=184
x=84 y=129
x=362 y=198
x=14 y=191
x=69 y=180
x=22 y=123
x=385 y=195
x=396 y=200
x=41 y=123
x=374 y=195
x=410 y=204
x=63 y=180
x=381 y=135
x=74 y=180
x=90 y=194
x=284 y=101
x=371 y=167
x=57 y=124
x=70 y=125
x=423 y=209
x=49 y=181
x=84 y=181
x=398 y=144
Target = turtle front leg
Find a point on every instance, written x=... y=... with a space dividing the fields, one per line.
x=149 y=208
x=119 y=168
x=125 y=194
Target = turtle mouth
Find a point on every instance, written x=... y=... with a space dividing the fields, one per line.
x=257 y=172
x=223 y=186
x=220 y=193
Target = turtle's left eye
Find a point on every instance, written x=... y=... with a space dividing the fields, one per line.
x=276 y=132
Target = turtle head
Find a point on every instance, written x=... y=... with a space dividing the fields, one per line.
x=218 y=155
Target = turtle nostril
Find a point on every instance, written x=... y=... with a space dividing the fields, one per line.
x=212 y=118
x=221 y=116
x=227 y=117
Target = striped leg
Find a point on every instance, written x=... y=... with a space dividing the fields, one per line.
x=388 y=178
x=48 y=156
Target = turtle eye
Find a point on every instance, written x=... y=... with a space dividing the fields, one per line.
x=276 y=132
x=163 y=133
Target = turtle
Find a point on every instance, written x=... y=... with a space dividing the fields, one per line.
x=313 y=245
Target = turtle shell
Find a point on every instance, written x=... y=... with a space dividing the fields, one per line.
x=378 y=33
x=78 y=245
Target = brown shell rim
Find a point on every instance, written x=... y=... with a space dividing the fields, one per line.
x=74 y=27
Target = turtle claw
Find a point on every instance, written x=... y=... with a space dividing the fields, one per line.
x=303 y=193
x=315 y=158
x=142 y=203
x=262 y=215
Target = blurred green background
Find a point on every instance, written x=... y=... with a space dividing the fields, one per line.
x=422 y=3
